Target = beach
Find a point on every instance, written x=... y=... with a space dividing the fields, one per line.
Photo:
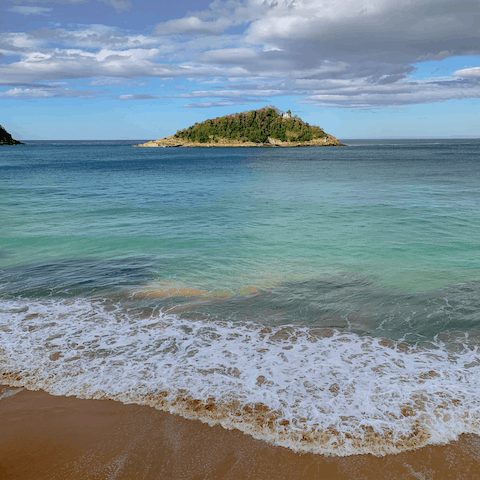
x=54 y=437
x=240 y=313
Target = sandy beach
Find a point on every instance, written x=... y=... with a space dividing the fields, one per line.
x=48 y=437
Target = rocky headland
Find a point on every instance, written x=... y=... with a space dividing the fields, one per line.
x=266 y=127
x=6 y=138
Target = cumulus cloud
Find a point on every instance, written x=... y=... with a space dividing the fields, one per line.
x=216 y=19
x=473 y=72
x=348 y=53
x=76 y=63
x=363 y=50
x=367 y=20
x=382 y=34
x=12 y=43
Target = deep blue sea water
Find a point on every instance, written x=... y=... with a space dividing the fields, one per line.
x=324 y=299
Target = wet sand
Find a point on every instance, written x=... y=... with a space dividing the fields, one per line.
x=47 y=437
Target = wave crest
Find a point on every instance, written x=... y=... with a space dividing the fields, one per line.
x=308 y=389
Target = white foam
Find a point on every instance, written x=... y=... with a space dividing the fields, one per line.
x=310 y=390
x=9 y=393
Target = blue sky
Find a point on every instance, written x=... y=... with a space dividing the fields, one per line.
x=117 y=69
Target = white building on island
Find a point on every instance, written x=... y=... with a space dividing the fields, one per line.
x=287 y=114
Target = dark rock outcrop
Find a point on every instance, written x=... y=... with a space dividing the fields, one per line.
x=6 y=138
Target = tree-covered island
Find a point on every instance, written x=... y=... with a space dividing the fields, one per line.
x=6 y=138
x=267 y=126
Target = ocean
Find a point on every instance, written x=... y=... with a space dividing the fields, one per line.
x=326 y=300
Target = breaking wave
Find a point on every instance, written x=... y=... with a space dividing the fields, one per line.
x=309 y=389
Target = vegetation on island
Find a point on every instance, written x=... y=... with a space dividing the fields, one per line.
x=254 y=126
x=6 y=138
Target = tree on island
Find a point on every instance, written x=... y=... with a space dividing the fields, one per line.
x=6 y=138
x=252 y=126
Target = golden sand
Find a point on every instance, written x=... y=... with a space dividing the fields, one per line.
x=45 y=437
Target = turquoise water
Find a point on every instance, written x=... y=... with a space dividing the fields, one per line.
x=378 y=240
x=404 y=215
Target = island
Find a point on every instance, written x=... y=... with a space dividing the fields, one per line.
x=6 y=138
x=266 y=127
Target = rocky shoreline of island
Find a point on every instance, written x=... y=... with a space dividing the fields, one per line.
x=173 y=142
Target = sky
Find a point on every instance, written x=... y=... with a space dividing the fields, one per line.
x=143 y=69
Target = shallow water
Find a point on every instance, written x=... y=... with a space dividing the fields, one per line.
x=325 y=299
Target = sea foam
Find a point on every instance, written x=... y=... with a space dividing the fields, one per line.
x=311 y=390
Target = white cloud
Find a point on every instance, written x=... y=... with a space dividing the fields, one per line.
x=109 y=81
x=216 y=19
x=473 y=72
x=25 y=10
x=191 y=25
x=17 y=42
x=118 y=5
x=357 y=53
x=138 y=96
x=210 y=104
x=76 y=63
x=355 y=96
x=48 y=91
x=230 y=56
x=367 y=19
